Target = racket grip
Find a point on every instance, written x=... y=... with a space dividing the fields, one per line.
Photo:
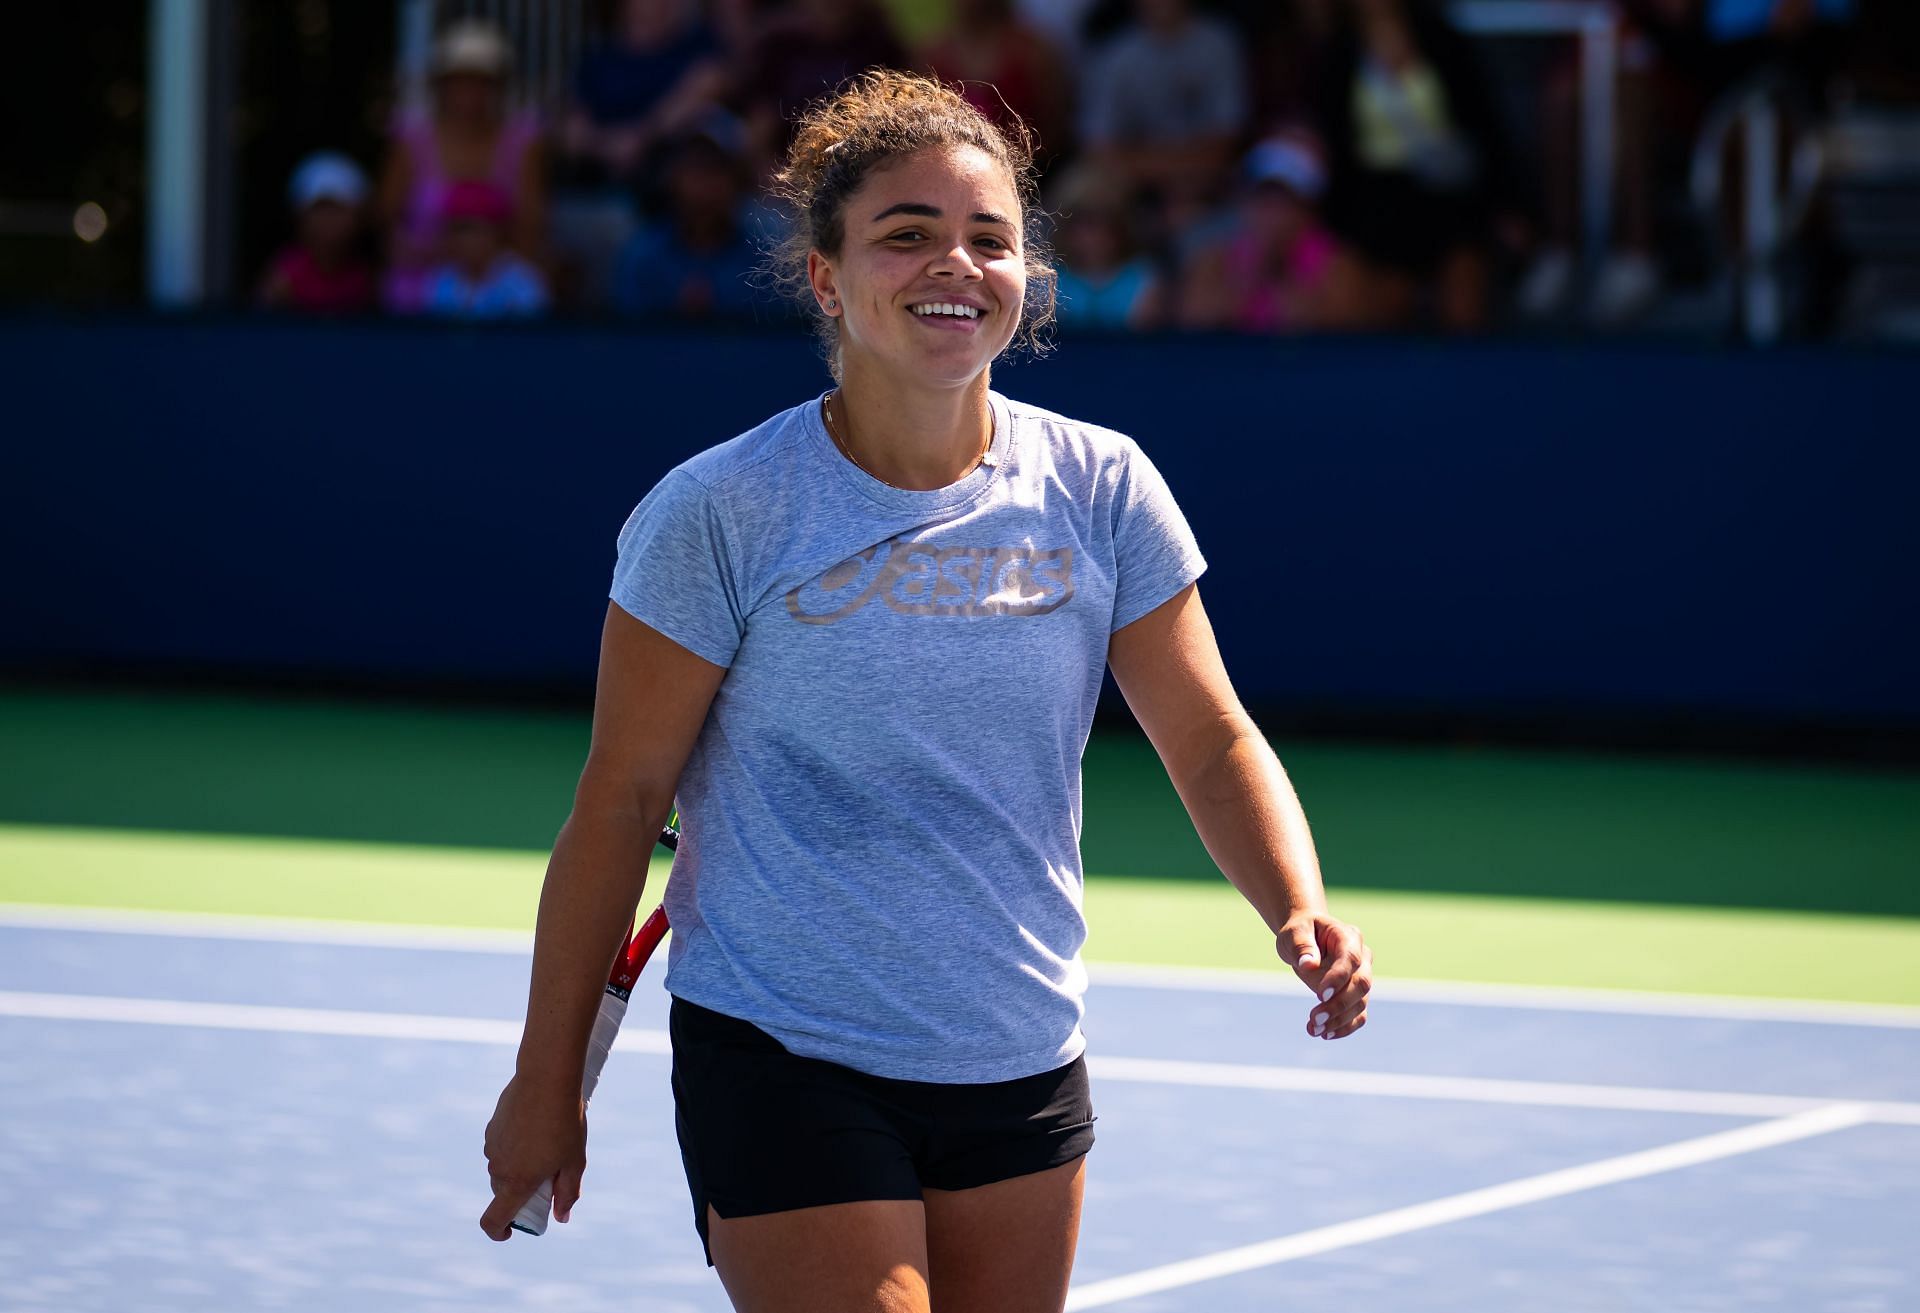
x=532 y=1217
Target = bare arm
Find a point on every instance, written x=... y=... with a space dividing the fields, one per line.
x=1150 y=311
x=651 y=701
x=390 y=200
x=1244 y=807
x=530 y=206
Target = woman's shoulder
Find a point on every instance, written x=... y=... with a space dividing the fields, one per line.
x=740 y=466
x=1066 y=430
x=1074 y=445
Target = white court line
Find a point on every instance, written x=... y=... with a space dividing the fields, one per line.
x=363 y=934
x=288 y=1021
x=1553 y=998
x=263 y=929
x=1474 y=1203
x=1539 y=1094
x=1221 y=1075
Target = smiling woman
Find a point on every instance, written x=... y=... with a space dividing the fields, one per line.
x=860 y=646
x=917 y=248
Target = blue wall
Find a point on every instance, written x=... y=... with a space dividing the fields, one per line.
x=1486 y=528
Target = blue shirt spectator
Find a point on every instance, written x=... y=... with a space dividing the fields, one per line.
x=511 y=288
x=661 y=272
x=480 y=277
x=697 y=259
x=660 y=67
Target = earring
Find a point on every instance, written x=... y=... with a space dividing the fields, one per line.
x=833 y=305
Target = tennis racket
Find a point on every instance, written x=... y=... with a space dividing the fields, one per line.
x=627 y=966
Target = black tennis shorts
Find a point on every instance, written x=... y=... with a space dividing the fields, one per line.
x=764 y=1131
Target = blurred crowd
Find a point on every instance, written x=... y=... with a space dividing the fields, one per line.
x=1267 y=166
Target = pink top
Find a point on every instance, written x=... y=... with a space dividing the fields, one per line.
x=417 y=250
x=344 y=290
x=1262 y=307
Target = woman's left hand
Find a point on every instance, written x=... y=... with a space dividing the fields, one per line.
x=1336 y=964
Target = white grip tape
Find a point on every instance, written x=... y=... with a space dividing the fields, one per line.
x=532 y=1217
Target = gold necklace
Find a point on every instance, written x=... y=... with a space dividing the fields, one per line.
x=833 y=431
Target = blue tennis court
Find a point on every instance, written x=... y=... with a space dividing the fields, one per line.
x=236 y=1115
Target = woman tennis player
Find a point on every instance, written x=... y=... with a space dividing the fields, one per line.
x=862 y=644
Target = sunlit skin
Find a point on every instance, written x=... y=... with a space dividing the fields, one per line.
x=937 y=225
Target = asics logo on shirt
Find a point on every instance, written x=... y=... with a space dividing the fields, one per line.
x=918 y=580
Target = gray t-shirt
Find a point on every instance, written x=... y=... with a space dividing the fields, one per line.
x=880 y=860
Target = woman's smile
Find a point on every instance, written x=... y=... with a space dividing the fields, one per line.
x=950 y=316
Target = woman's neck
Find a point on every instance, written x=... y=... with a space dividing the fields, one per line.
x=917 y=438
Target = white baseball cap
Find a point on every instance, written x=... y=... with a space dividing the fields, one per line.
x=472 y=45
x=1287 y=162
x=327 y=176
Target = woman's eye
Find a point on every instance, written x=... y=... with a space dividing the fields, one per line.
x=993 y=243
x=905 y=237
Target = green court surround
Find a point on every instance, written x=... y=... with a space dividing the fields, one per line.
x=1460 y=863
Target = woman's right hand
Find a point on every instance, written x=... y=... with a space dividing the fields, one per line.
x=536 y=1135
x=652 y=700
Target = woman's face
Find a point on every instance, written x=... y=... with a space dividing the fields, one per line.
x=474 y=244
x=938 y=227
x=1275 y=215
x=1094 y=240
x=468 y=95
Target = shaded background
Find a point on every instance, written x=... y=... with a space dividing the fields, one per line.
x=1584 y=624
x=1676 y=543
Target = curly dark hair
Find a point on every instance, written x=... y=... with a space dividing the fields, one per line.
x=865 y=123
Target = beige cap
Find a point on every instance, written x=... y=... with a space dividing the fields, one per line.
x=472 y=45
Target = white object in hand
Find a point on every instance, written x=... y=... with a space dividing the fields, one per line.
x=532 y=1217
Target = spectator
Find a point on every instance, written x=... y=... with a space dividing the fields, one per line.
x=916 y=23
x=1105 y=281
x=699 y=258
x=1061 y=22
x=1629 y=281
x=1420 y=177
x=739 y=23
x=660 y=68
x=469 y=135
x=1287 y=43
x=1277 y=269
x=801 y=55
x=324 y=270
x=1165 y=100
x=1005 y=68
x=481 y=276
